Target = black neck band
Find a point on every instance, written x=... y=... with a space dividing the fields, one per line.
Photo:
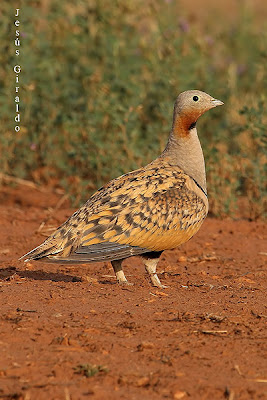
x=192 y=126
x=201 y=188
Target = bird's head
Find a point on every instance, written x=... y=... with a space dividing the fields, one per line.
x=189 y=106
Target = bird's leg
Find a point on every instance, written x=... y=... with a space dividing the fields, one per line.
x=151 y=260
x=150 y=266
x=121 y=278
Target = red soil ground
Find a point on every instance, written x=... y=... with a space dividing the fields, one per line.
x=202 y=338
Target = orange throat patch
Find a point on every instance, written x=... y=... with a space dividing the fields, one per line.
x=183 y=124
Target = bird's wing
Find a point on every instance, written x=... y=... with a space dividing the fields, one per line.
x=151 y=209
x=156 y=218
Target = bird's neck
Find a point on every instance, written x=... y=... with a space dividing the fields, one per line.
x=185 y=151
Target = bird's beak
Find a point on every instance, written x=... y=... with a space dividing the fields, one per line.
x=216 y=102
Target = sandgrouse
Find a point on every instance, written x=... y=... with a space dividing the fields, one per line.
x=143 y=212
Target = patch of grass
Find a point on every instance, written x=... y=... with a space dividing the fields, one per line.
x=98 y=84
x=89 y=370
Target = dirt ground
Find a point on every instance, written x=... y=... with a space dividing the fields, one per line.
x=202 y=338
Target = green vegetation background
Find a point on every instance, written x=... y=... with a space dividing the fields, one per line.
x=97 y=88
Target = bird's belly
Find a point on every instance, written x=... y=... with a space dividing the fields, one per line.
x=163 y=239
x=174 y=238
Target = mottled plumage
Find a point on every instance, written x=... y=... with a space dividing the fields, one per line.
x=146 y=211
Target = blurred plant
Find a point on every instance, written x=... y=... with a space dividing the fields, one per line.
x=97 y=88
x=89 y=370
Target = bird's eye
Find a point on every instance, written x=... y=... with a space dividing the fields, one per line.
x=195 y=98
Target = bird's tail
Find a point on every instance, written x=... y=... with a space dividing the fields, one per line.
x=41 y=251
x=61 y=241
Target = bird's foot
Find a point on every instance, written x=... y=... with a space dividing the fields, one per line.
x=156 y=282
x=124 y=283
x=121 y=278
